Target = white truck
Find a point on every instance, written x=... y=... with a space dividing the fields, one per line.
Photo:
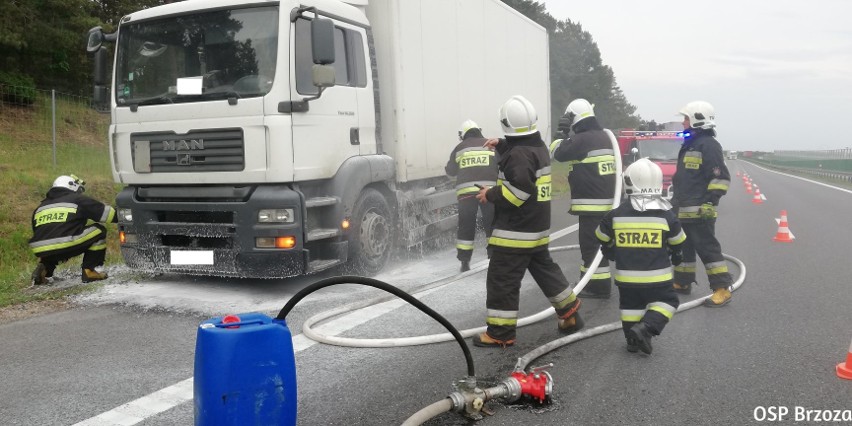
x=261 y=138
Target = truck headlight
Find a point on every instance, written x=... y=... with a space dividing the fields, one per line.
x=275 y=216
x=125 y=215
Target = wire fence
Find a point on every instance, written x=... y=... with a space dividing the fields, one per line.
x=51 y=129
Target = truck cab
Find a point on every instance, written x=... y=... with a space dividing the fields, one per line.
x=661 y=147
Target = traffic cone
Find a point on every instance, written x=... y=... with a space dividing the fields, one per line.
x=757 y=198
x=783 y=234
x=844 y=369
x=738 y=173
x=748 y=188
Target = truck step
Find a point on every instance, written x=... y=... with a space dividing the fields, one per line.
x=322 y=233
x=321 y=201
x=321 y=264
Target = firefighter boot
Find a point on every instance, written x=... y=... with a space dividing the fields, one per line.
x=571 y=325
x=720 y=297
x=40 y=275
x=485 y=341
x=465 y=266
x=90 y=275
x=642 y=337
x=632 y=345
x=682 y=289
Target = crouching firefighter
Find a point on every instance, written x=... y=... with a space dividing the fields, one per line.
x=521 y=232
x=65 y=225
x=640 y=236
x=474 y=167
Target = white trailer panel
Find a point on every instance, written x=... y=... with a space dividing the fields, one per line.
x=441 y=62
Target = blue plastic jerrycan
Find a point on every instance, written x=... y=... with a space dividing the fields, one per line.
x=245 y=372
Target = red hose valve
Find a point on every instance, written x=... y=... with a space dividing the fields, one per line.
x=537 y=384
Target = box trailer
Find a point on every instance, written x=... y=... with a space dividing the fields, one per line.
x=279 y=138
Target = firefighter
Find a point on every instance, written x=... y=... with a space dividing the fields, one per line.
x=521 y=232
x=65 y=225
x=700 y=181
x=640 y=236
x=474 y=166
x=591 y=158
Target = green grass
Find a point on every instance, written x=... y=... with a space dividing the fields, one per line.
x=26 y=172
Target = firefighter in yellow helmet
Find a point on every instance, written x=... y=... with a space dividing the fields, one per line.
x=521 y=232
x=67 y=224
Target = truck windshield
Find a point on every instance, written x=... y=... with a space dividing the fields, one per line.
x=659 y=149
x=202 y=56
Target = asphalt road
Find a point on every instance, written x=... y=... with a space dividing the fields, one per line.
x=776 y=344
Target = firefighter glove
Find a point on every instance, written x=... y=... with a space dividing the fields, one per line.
x=608 y=251
x=707 y=211
x=677 y=257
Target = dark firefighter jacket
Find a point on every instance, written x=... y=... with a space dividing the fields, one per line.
x=591 y=159
x=522 y=195
x=701 y=176
x=472 y=164
x=62 y=219
x=641 y=243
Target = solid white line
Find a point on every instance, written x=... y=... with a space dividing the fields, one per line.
x=801 y=178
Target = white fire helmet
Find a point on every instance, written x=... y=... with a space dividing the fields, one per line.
x=701 y=115
x=578 y=110
x=643 y=182
x=518 y=117
x=467 y=125
x=71 y=182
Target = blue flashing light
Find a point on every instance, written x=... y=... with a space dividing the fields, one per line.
x=684 y=134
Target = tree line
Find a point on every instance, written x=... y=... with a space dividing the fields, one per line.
x=42 y=44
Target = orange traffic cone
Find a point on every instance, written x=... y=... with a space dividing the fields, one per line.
x=757 y=198
x=748 y=188
x=738 y=173
x=844 y=369
x=783 y=234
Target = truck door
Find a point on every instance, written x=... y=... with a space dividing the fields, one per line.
x=328 y=133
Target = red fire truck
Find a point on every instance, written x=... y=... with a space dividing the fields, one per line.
x=660 y=146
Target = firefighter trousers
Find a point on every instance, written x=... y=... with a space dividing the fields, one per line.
x=654 y=306
x=93 y=251
x=701 y=239
x=601 y=282
x=503 y=285
x=468 y=206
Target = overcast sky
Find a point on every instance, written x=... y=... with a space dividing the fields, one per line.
x=778 y=72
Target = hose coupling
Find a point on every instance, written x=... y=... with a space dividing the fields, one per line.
x=537 y=384
x=468 y=398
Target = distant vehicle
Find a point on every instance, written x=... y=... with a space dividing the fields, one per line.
x=732 y=155
x=281 y=138
x=661 y=147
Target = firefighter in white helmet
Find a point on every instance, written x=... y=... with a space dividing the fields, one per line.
x=521 y=232
x=643 y=238
x=67 y=224
x=474 y=167
x=591 y=158
x=701 y=179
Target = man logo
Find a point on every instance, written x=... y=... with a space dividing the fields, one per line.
x=183 y=145
x=184 y=160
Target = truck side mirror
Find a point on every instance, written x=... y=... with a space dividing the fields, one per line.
x=323 y=75
x=95 y=39
x=322 y=41
x=101 y=91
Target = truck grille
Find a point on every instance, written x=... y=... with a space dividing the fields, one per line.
x=219 y=150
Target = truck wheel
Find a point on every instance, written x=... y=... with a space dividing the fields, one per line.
x=371 y=233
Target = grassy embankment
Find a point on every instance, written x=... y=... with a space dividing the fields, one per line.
x=27 y=172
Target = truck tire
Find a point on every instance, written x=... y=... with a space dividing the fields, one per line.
x=371 y=234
